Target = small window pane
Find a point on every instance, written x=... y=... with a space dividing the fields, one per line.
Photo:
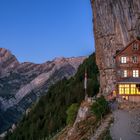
x=135 y=46
x=134 y=59
x=125 y=73
x=135 y=73
x=123 y=59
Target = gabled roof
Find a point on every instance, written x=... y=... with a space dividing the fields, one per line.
x=120 y=51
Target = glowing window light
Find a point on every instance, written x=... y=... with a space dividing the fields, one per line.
x=121 y=90
x=126 y=86
x=135 y=73
x=121 y=86
x=133 y=91
x=133 y=85
x=137 y=91
x=123 y=59
x=125 y=73
x=127 y=90
x=125 y=97
x=133 y=88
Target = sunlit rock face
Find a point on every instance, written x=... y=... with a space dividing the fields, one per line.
x=116 y=23
x=7 y=61
x=21 y=84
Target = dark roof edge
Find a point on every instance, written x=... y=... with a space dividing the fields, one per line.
x=136 y=39
x=128 y=82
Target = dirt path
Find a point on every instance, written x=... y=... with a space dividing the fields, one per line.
x=122 y=128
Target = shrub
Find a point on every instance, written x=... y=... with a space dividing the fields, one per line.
x=100 y=107
x=72 y=112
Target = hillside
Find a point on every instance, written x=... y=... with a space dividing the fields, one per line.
x=48 y=116
x=21 y=84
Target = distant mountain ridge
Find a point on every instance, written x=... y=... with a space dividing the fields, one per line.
x=49 y=115
x=21 y=84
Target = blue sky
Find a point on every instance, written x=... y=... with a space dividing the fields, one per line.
x=40 y=30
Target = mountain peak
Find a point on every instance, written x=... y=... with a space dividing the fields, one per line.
x=74 y=61
x=7 y=61
x=27 y=81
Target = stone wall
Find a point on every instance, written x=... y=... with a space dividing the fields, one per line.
x=116 y=23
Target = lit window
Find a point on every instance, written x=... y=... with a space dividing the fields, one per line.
x=134 y=59
x=135 y=47
x=124 y=89
x=125 y=73
x=123 y=59
x=121 y=89
x=135 y=73
x=133 y=89
x=133 y=85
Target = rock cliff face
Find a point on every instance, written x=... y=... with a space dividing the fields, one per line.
x=7 y=61
x=22 y=84
x=116 y=23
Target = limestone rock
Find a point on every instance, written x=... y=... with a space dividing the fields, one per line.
x=7 y=61
x=21 y=84
x=116 y=23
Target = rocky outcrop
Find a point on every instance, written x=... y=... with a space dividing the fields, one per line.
x=22 y=84
x=116 y=23
x=86 y=125
x=83 y=126
x=7 y=61
x=83 y=113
